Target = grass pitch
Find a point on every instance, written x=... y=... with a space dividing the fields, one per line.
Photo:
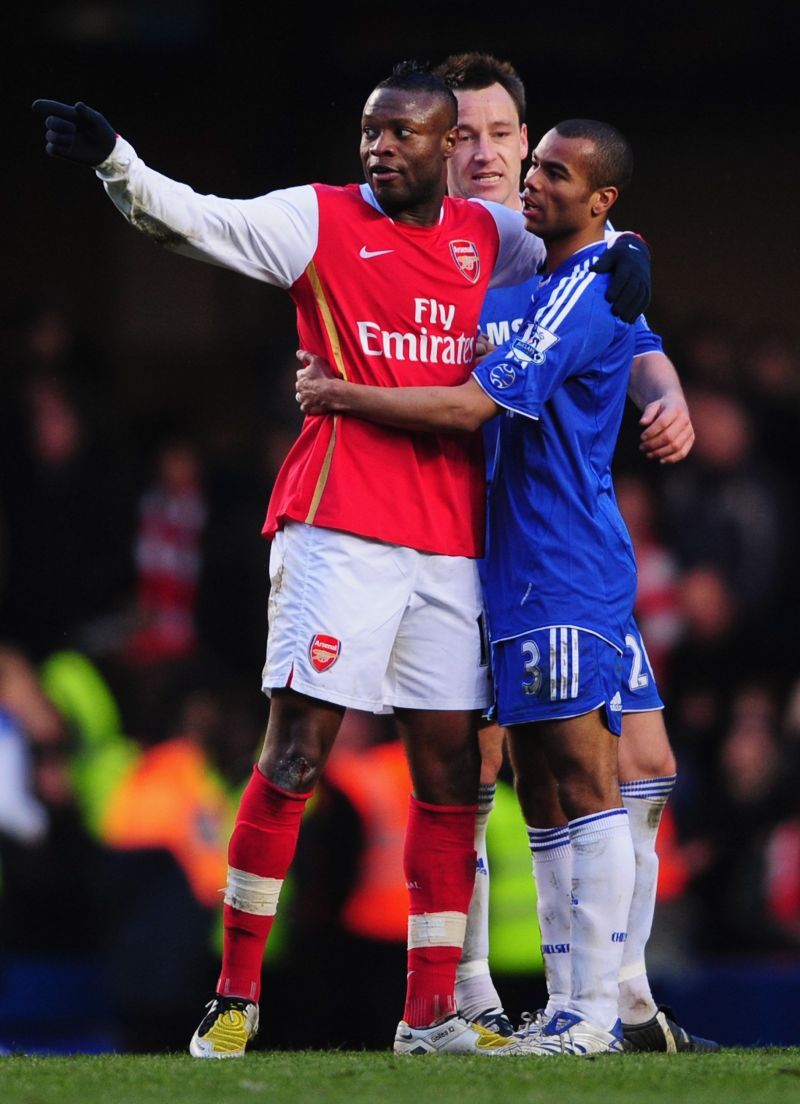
x=771 y=1076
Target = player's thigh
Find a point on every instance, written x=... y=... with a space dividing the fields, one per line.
x=440 y=659
x=580 y=753
x=644 y=750
x=443 y=754
x=336 y=603
x=536 y=784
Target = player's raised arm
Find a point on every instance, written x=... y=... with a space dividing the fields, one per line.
x=270 y=238
x=668 y=434
x=461 y=408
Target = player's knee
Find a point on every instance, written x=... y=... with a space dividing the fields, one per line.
x=582 y=794
x=446 y=781
x=294 y=773
x=490 y=768
x=644 y=749
x=295 y=767
x=641 y=761
x=491 y=740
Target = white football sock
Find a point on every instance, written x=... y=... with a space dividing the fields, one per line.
x=552 y=871
x=475 y=991
x=645 y=800
x=603 y=871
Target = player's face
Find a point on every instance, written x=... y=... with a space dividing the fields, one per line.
x=406 y=140
x=558 y=197
x=487 y=162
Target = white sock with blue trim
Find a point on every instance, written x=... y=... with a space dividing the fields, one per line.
x=475 y=991
x=603 y=871
x=551 y=852
x=645 y=800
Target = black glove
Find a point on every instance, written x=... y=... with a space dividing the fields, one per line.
x=628 y=261
x=77 y=133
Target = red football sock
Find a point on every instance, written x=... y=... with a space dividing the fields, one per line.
x=263 y=844
x=439 y=863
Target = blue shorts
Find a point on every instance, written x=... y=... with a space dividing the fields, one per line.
x=557 y=673
x=638 y=687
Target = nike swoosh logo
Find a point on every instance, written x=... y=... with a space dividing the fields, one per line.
x=367 y=253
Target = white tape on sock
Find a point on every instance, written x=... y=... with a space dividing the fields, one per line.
x=437 y=929
x=251 y=893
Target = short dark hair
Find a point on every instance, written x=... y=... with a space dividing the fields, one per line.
x=474 y=70
x=416 y=76
x=612 y=161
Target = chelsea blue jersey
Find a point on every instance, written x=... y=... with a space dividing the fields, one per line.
x=504 y=309
x=558 y=551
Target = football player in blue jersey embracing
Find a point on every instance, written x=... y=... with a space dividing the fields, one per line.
x=487 y=163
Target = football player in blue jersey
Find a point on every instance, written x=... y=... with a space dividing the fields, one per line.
x=560 y=573
x=487 y=163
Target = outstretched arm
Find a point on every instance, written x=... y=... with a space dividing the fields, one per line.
x=462 y=408
x=270 y=238
x=668 y=434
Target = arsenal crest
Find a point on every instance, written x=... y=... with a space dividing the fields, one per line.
x=465 y=254
x=323 y=651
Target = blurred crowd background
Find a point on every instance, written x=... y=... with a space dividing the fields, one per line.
x=147 y=403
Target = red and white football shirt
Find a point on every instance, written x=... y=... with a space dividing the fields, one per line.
x=385 y=303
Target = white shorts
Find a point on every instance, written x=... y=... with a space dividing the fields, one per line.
x=373 y=626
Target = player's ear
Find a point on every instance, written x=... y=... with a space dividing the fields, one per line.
x=449 y=141
x=523 y=141
x=603 y=200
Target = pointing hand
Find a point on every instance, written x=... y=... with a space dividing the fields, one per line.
x=76 y=133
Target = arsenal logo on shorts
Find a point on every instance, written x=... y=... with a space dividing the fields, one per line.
x=323 y=651
x=465 y=254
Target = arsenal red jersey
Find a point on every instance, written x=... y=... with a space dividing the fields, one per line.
x=395 y=305
x=385 y=303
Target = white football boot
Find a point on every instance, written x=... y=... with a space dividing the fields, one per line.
x=226 y=1029
x=452 y=1036
x=566 y=1033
